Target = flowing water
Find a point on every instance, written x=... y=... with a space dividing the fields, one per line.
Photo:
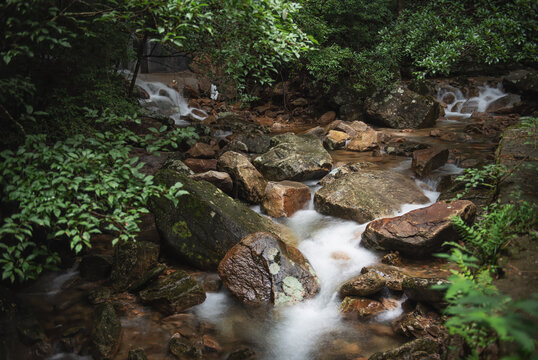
x=313 y=329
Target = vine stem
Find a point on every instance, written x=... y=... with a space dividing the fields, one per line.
x=18 y=124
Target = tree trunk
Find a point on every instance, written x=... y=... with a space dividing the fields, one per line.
x=139 y=56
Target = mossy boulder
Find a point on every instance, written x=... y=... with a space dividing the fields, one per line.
x=106 y=332
x=206 y=223
x=173 y=293
x=402 y=108
x=294 y=157
x=262 y=269
x=367 y=194
x=131 y=261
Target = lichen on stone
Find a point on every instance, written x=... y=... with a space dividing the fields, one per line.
x=274 y=268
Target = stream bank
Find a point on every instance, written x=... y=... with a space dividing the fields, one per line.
x=221 y=327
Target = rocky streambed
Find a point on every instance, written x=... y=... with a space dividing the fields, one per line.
x=314 y=243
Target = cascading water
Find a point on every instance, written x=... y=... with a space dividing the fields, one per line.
x=333 y=248
x=460 y=107
x=168 y=101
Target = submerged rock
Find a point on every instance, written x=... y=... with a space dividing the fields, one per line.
x=426 y=160
x=173 y=293
x=368 y=194
x=294 y=157
x=206 y=223
x=262 y=269
x=363 y=285
x=283 y=199
x=106 y=332
x=249 y=184
x=420 y=349
x=420 y=232
x=402 y=108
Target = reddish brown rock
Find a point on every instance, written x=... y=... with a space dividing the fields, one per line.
x=201 y=150
x=360 y=307
x=327 y=117
x=201 y=165
x=420 y=232
x=190 y=92
x=261 y=269
x=367 y=140
x=419 y=323
x=336 y=139
x=249 y=184
x=427 y=160
x=363 y=285
x=220 y=179
x=283 y=199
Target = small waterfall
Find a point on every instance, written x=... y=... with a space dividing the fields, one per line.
x=460 y=107
x=168 y=101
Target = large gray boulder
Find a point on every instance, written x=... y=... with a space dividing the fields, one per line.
x=420 y=232
x=367 y=194
x=262 y=269
x=294 y=157
x=206 y=223
x=402 y=108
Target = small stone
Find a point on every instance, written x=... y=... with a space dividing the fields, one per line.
x=363 y=285
x=183 y=349
x=360 y=307
x=327 y=117
x=201 y=150
x=137 y=354
x=201 y=165
x=283 y=199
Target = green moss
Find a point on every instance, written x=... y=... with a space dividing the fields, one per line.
x=181 y=229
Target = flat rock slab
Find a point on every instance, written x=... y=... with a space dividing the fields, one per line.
x=262 y=269
x=293 y=157
x=367 y=194
x=420 y=232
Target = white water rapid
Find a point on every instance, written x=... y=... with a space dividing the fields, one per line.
x=333 y=248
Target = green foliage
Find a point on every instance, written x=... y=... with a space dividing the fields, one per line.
x=443 y=36
x=72 y=190
x=488 y=176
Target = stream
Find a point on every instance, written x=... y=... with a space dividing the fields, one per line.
x=313 y=329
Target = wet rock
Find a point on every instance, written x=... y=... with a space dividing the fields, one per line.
x=317 y=131
x=106 y=332
x=211 y=282
x=220 y=179
x=367 y=140
x=393 y=275
x=262 y=269
x=366 y=195
x=131 y=261
x=420 y=232
x=420 y=349
x=148 y=277
x=173 y=293
x=343 y=126
x=341 y=171
x=256 y=141
x=403 y=147
x=183 y=348
x=201 y=150
x=206 y=223
x=363 y=285
x=294 y=157
x=249 y=184
x=419 y=323
x=392 y=258
x=524 y=82
x=137 y=354
x=426 y=160
x=504 y=103
x=99 y=295
x=336 y=139
x=361 y=307
x=201 y=165
x=243 y=354
x=284 y=198
x=95 y=267
x=327 y=118
x=420 y=289
x=210 y=344
x=299 y=102
x=177 y=165
x=402 y=108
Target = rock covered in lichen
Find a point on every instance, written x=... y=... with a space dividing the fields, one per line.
x=262 y=269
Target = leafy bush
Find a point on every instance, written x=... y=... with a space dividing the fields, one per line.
x=72 y=190
x=482 y=315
